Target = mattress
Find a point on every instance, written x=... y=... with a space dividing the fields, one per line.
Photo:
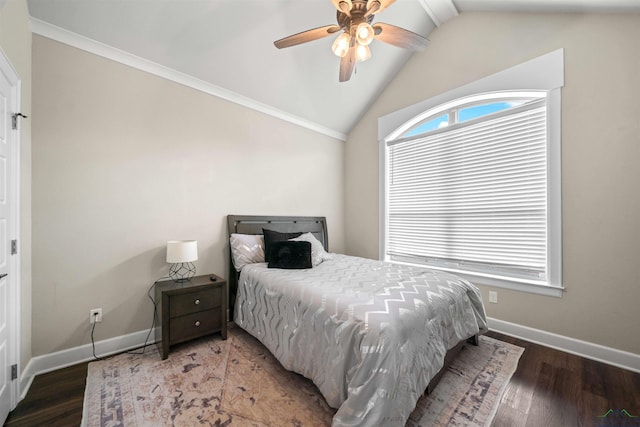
x=369 y=334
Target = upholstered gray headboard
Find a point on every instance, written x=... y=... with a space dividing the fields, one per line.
x=253 y=224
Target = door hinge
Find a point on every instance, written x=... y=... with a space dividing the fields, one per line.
x=14 y=372
x=14 y=247
x=14 y=120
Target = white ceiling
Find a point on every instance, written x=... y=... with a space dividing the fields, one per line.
x=225 y=47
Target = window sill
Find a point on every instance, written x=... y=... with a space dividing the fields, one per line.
x=521 y=285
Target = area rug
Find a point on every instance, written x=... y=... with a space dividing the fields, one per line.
x=211 y=382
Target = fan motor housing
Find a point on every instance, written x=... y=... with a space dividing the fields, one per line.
x=358 y=10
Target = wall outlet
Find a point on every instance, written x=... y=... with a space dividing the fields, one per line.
x=493 y=297
x=95 y=315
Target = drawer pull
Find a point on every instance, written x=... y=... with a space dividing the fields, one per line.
x=197 y=323
x=196 y=302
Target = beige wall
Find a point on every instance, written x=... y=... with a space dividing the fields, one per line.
x=600 y=149
x=124 y=161
x=15 y=42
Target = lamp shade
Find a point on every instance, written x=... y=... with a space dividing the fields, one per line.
x=182 y=251
x=365 y=33
x=341 y=44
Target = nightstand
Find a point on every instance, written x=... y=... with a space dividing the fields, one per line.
x=190 y=310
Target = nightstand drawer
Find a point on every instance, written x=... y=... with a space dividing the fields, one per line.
x=194 y=325
x=189 y=310
x=193 y=302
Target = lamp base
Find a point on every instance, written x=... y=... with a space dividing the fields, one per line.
x=182 y=271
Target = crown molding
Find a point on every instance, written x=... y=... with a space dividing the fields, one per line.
x=440 y=11
x=70 y=38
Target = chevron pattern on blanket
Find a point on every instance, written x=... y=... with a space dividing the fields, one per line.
x=238 y=382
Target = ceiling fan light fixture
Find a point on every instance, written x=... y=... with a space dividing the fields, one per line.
x=363 y=52
x=364 y=33
x=341 y=45
x=354 y=18
x=372 y=7
x=344 y=6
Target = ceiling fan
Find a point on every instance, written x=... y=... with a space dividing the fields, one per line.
x=355 y=19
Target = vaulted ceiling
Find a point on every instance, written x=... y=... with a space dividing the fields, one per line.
x=225 y=47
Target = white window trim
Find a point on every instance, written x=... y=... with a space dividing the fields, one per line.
x=476 y=99
x=543 y=73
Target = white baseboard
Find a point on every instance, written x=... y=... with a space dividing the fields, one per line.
x=25 y=383
x=597 y=352
x=72 y=356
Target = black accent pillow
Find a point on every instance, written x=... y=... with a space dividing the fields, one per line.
x=291 y=255
x=272 y=236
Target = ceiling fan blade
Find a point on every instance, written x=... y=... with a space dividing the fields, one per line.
x=347 y=64
x=399 y=37
x=306 y=36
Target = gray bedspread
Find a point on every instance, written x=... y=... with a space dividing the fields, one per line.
x=369 y=334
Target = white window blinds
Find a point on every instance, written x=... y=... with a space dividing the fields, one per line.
x=473 y=197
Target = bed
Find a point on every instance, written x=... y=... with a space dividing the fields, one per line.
x=373 y=336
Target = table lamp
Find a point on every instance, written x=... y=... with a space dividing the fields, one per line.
x=181 y=254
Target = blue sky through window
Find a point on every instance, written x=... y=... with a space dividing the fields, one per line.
x=432 y=124
x=464 y=114
x=471 y=113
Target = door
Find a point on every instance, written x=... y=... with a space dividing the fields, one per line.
x=9 y=300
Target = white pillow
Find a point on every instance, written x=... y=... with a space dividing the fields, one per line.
x=246 y=249
x=318 y=254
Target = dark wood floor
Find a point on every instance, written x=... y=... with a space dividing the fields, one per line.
x=550 y=389
x=553 y=388
x=54 y=399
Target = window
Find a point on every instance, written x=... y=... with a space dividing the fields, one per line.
x=472 y=196
x=429 y=125
x=471 y=185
